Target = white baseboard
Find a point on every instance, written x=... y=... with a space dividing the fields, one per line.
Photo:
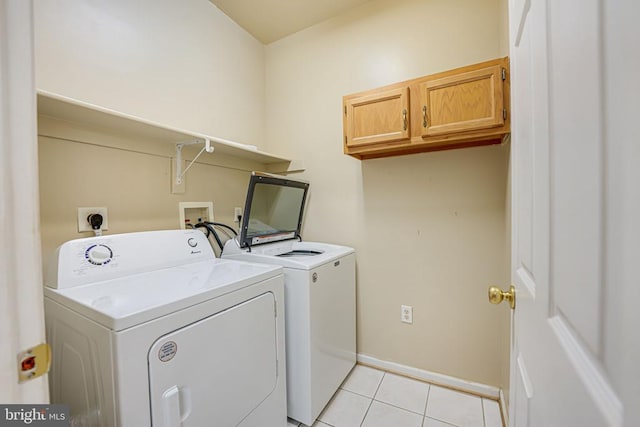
x=432 y=377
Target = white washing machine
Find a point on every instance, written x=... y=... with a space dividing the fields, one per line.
x=320 y=293
x=149 y=329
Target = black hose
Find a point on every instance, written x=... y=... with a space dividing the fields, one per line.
x=219 y=224
x=215 y=236
x=201 y=225
x=210 y=231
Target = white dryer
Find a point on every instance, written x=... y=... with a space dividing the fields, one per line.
x=320 y=291
x=150 y=329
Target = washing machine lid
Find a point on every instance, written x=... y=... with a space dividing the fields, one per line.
x=289 y=254
x=273 y=209
x=124 y=302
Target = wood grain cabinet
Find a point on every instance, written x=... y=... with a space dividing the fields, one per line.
x=463 y=101
x=379 y=117
x=465 y=107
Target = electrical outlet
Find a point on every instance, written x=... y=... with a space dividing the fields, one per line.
x=237 y=213
x=406 y=314
x=83 y=222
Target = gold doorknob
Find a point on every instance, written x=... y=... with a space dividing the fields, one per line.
x=497 y=295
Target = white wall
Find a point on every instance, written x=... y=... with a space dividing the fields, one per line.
x=429 y=229
x=181 y=63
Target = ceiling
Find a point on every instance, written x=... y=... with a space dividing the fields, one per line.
x=270 y=20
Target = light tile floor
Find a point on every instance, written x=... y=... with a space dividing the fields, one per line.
x=374 y=398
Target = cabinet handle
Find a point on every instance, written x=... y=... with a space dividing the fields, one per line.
x=424 y=116
x=404 y=118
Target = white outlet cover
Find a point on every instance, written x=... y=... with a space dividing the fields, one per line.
x=406 y=314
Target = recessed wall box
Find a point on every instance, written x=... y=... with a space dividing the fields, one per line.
x=195 y=212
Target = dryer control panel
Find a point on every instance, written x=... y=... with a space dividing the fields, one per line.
x=94 y=259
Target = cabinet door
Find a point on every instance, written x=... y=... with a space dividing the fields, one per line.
x=462 y=102
x=377 y=117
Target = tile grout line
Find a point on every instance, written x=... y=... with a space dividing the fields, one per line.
x=384 y=374
x=484 y=416
x=366 y=412
x=403 y=373
x=424 y=414
x=372 y=399
x=444 y=422
x=356 y=393
x=399 y=407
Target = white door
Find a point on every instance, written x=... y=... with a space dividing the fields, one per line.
x=217 y=371
x=575 y=161
x=21 y=308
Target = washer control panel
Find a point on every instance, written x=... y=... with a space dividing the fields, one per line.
x=95 y=259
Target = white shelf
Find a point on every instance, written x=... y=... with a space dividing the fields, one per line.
x=72 y=110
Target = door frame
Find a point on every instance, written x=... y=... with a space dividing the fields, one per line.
x=21 y=293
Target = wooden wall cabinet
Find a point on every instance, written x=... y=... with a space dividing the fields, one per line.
x=379 y=117
x=465 y=107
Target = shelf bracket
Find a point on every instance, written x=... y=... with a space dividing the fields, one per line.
x=179 y=172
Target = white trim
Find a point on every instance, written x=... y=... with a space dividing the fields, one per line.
x=525 y=278
x=21 y=308
x=587 y=367
x=503 y=408
x=479 y=389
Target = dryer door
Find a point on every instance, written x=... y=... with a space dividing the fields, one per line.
x=216 y=371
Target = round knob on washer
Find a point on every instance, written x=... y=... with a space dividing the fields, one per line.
x=98 y=254
x=192 y=242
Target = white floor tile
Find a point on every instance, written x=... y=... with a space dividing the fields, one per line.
x=401 y=402
x=492 y=416
x=363 y=380
x=346 y=409
x=383 y=415
x=460 y=409
x=403 y=392
x=430 y=422
x=291 y=423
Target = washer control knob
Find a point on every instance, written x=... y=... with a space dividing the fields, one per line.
x=192 y=242
x=98 y=254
